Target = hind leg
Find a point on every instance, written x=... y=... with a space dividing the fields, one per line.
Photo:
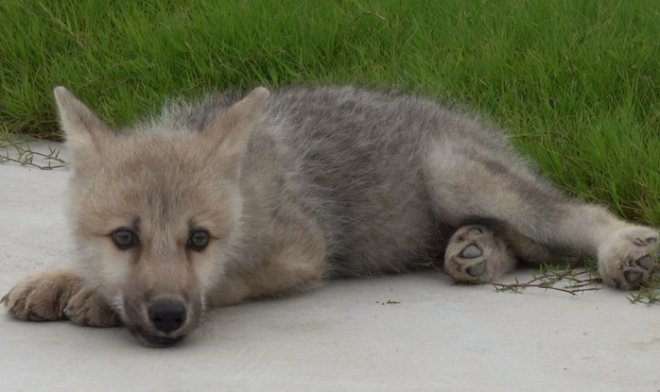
x=467 y=183
x=476 y=254
x=627 y=254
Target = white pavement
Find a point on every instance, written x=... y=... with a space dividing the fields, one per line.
x=344 y=337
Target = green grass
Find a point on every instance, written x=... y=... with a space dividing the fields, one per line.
x=577 y=83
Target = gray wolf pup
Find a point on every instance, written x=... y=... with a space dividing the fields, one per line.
x=234 y=199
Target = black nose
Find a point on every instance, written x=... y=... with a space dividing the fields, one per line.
x=167 y=315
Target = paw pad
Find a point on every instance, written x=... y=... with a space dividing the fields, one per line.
x=471 y=251
x=477 y=269
x=633 y=276
x=474 y=230
x=646 y=262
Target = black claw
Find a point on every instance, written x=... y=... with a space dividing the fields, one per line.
x=36 y=317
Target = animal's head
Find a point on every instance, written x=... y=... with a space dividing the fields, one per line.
x=154 y=212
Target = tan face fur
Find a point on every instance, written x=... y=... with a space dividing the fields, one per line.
x=162 y=186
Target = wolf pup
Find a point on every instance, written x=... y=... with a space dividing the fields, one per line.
x=230 y=200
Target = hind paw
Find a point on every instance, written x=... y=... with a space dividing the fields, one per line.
x=475 y=255
x=628 y=258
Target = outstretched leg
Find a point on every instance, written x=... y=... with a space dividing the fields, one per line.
x=468 y=183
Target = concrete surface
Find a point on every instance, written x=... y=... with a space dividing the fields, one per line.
x=343 y=337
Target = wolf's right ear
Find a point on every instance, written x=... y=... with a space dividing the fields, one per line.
x=84 y=131
x=228 y=133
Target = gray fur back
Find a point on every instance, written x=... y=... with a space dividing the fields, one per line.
x=353 y=160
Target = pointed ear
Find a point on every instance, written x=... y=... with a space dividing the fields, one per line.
x=83 y=130
x=231 y=129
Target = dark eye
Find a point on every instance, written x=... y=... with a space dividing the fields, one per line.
x=124 y=239
x=198 y=240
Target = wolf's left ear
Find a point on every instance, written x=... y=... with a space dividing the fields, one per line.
x=83 y=130
x=231 y=130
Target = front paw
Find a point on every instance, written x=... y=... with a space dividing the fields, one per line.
x=42 y=297
x=88 y=308
x=628 y=258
